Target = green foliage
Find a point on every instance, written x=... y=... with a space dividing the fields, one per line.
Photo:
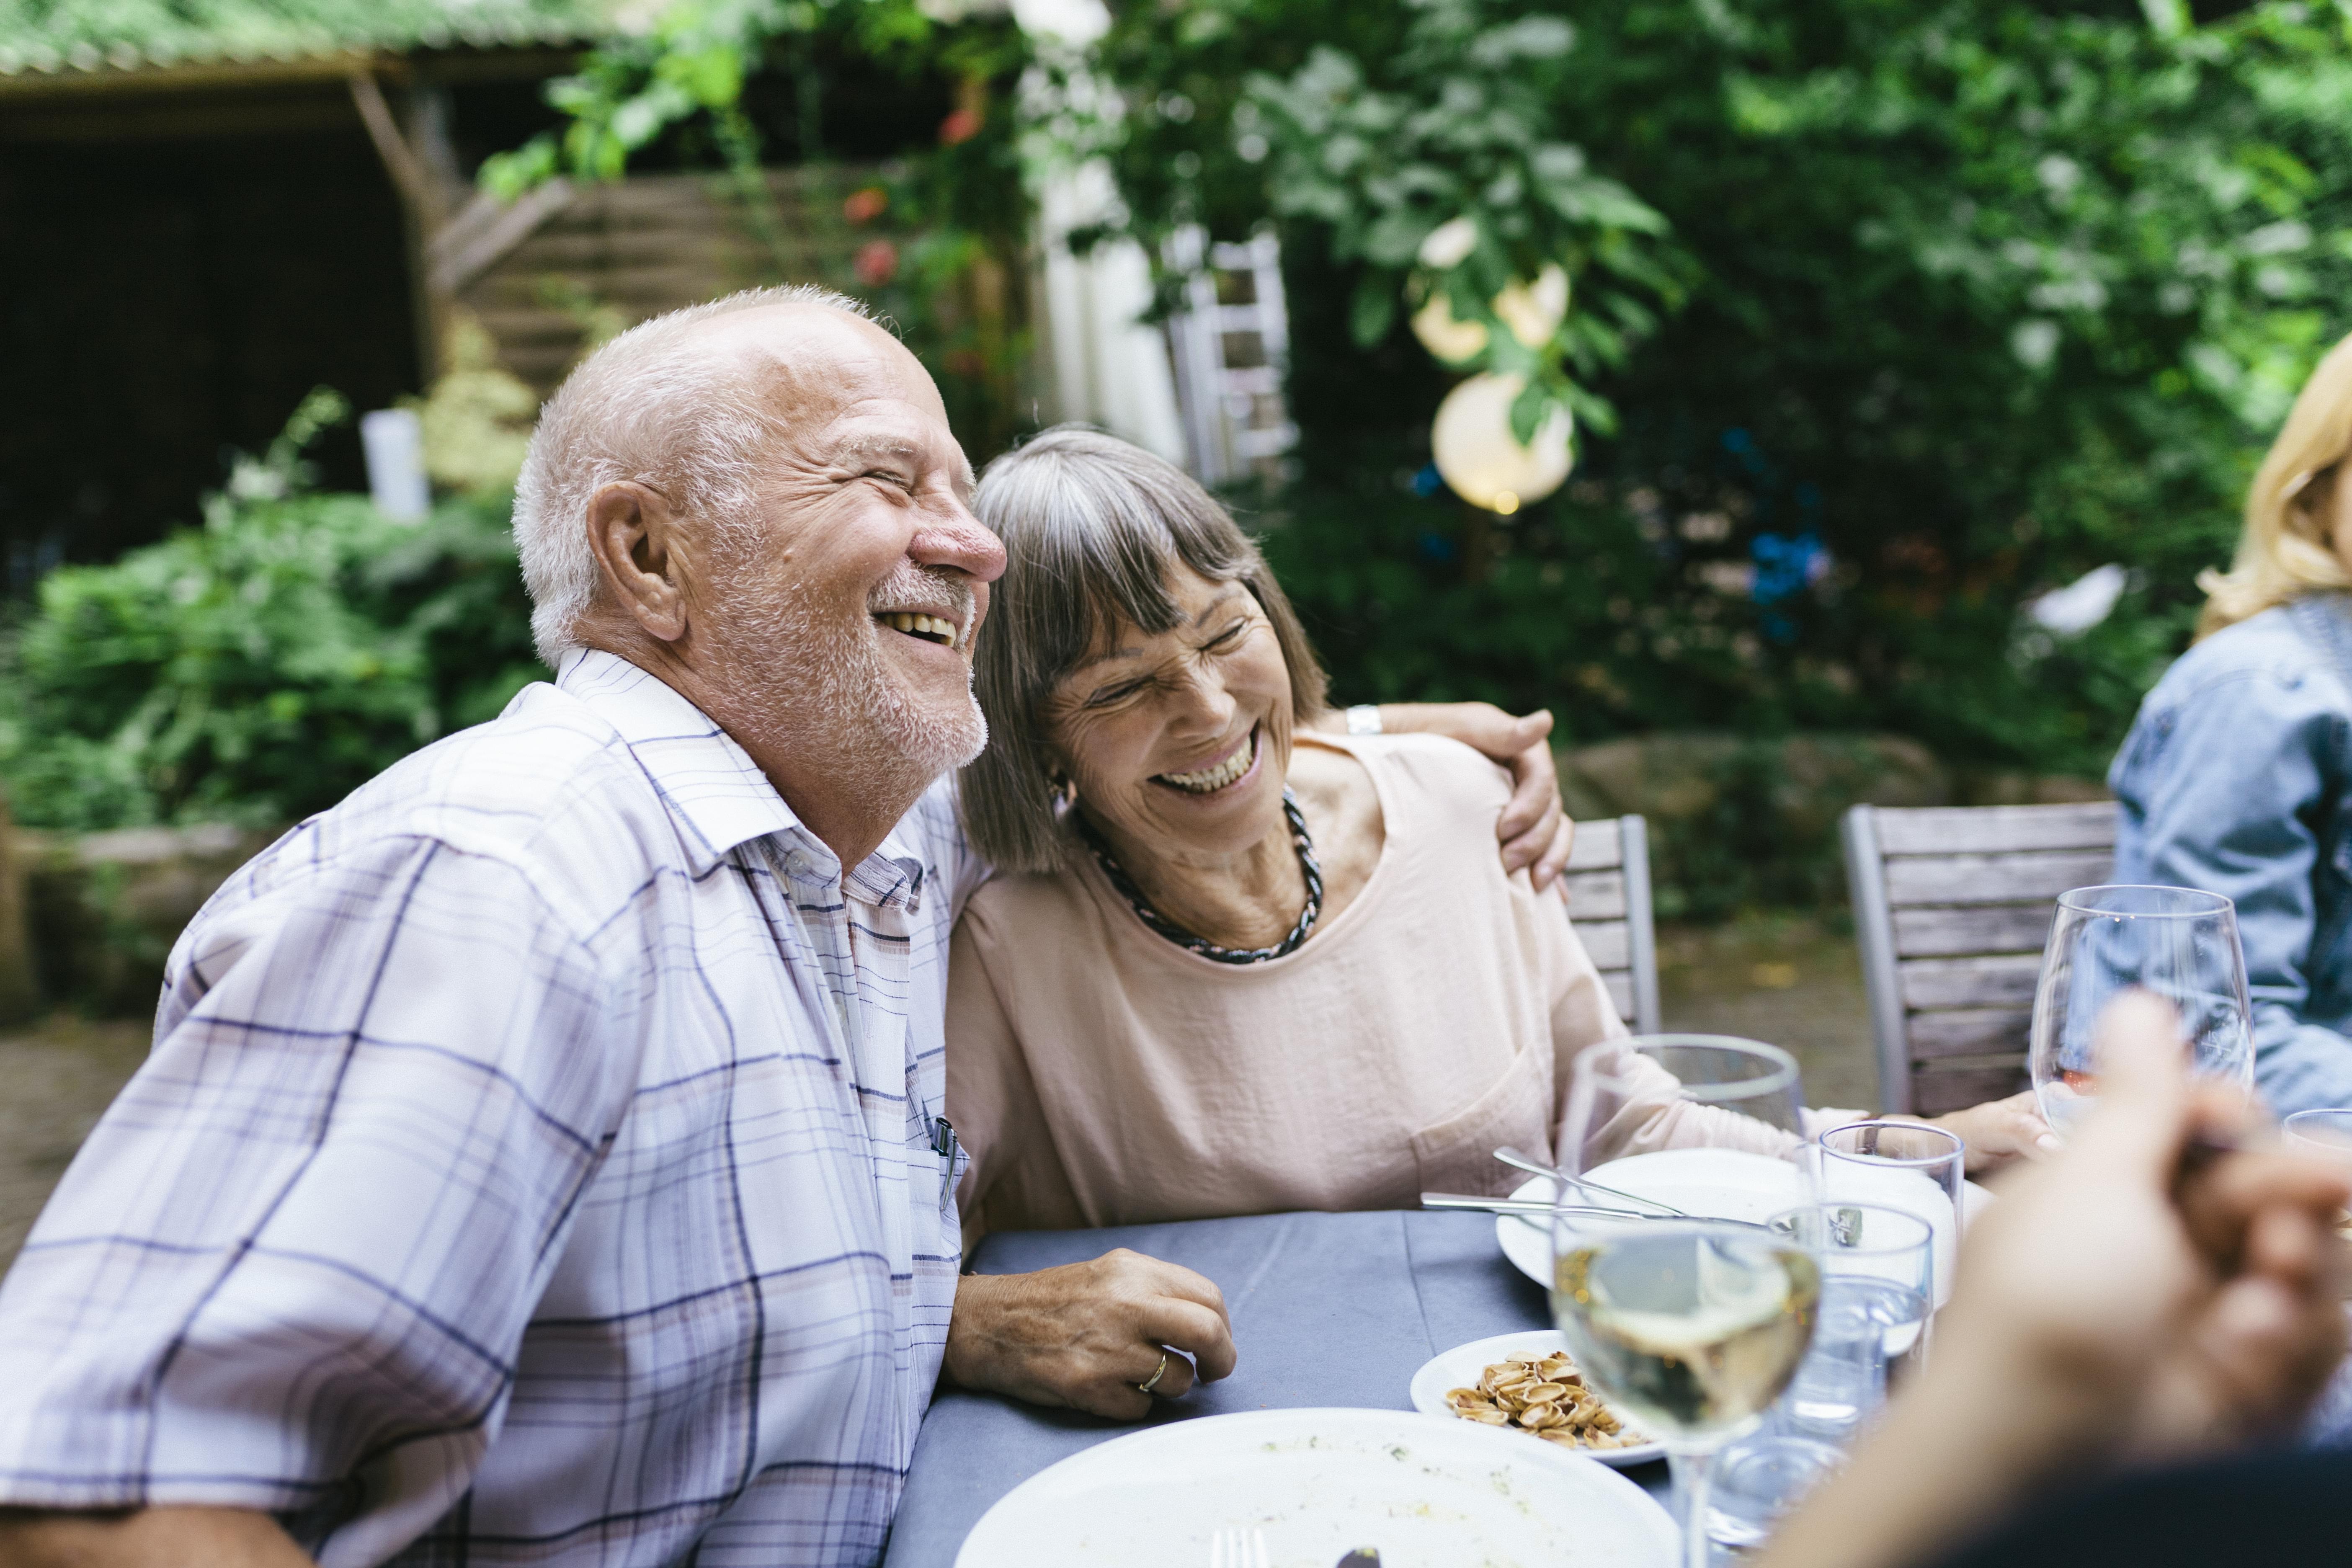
x=265 y=663
x=1982 y=295
x=1457 y=132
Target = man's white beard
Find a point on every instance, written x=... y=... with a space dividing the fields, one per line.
x=829 y=694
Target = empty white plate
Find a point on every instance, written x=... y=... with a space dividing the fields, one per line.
x=1461 y=1366
x=1428 y=1492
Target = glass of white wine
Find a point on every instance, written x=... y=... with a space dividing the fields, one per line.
x=1689 y=1327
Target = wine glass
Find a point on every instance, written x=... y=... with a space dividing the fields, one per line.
x=1687 y=1326
x=2175 y=942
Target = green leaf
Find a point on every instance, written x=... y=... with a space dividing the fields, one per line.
x=1372 y=312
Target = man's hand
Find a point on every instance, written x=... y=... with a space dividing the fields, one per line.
x=1086 y=1335
x=146 y=1538
x=1535 y=830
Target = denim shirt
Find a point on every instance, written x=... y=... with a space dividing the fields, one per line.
x=2236 y=778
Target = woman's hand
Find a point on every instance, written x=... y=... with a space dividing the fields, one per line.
x=1999 y=1130
x=1087 y=1335
x=1536 y=831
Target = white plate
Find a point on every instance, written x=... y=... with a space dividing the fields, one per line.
x=1722 y=1183
x=1428 y=1492
x=1460 y=1367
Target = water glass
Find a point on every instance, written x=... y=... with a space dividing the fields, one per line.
x=2176 y=942
x=1878 y=1278
x=1902 y=1165
x=1759 y=1479
x=2325 y=1131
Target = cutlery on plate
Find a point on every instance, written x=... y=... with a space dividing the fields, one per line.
x=1239 y=1549
x=1519 y=1162
x=1532 y=1208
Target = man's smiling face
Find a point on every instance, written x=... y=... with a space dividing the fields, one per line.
x=849 y=603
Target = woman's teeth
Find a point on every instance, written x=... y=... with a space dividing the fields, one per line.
x=1209 y=780
x=929 y=626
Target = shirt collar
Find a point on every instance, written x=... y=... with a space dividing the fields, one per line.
x=714 y=792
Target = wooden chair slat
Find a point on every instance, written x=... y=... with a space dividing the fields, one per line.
x=1993 y=879
x=1997 y=829
x=1956 y=1089
x=1599 y=846
x=1607 y=943
x=1596 y=895
x=1969 y=1032
x=1996 y=980
x=1950 y=932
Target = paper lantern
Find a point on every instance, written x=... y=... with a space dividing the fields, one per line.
x=1479 y=457
x=1449 y=341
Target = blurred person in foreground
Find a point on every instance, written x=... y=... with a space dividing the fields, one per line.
x=2137 y=1301
x=538 y=1160
x=2237 y=775
x=1230 y=965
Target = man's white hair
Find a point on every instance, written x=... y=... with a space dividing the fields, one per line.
x=654 y=407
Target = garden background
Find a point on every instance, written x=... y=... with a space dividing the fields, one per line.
x=1887 y=321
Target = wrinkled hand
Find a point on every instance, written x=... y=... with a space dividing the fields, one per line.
x=1534 y=828
x=2168 y=1308
x=1084 y=1335
x=1999 y=1130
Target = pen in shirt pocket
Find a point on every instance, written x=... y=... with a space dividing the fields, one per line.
x=946 y=1145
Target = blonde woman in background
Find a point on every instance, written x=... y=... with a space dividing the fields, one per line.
x=2237 y=775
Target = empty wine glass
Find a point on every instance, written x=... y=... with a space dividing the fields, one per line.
x=1687 y=1327
x=2175 y=942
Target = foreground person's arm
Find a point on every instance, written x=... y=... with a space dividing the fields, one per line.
x=1535 y=830
x=1086 y=1335
x=2106 y=1310
x=147 y=1538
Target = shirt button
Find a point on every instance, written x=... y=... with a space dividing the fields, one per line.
x=797 y=863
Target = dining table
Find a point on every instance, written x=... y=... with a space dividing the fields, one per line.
x=1326 y=1310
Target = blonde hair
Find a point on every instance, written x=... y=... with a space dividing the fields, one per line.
x=2288 y=549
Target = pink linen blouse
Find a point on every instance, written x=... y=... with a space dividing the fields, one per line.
x=1101 y=1074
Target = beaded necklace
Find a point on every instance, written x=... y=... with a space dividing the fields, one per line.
x=1184 y=939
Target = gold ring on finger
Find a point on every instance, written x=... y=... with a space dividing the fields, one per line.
x=1149 y=1384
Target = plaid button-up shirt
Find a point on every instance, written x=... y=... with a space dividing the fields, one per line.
x=534 y=1166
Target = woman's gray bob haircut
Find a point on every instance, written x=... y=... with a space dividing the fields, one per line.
x=654 y=407
x=1093 y=529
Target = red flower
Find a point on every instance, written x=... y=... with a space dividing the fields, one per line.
x=961 y=126
x=865 y=205
x=877 y=263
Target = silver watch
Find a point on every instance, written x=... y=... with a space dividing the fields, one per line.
x=1364 y=718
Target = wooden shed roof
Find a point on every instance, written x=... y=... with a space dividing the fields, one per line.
x=50 y=42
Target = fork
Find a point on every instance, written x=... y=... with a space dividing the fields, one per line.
x=1238 y=1549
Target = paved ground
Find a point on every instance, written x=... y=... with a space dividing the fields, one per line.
x=1784 y=979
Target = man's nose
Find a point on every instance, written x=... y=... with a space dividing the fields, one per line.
x=951 y=536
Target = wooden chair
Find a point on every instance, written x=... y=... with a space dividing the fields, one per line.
x=1951 y=907
x=1609 y=900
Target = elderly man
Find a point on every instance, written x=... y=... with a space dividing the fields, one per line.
x=539 y=1158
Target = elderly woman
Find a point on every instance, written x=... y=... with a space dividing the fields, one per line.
x=2237 y=775
x=1233 y=964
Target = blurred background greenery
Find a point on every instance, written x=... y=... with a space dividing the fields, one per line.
x=1888 y=320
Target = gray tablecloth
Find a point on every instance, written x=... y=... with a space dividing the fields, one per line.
x=1328 y=1309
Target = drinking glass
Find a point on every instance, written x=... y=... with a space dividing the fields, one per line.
x=2176 y=942
x=1878 y=1284
x=1688 y=1327
x=2329 y=1130
x=1902 y=1165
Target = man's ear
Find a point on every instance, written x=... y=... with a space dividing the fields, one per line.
x=640 y=551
